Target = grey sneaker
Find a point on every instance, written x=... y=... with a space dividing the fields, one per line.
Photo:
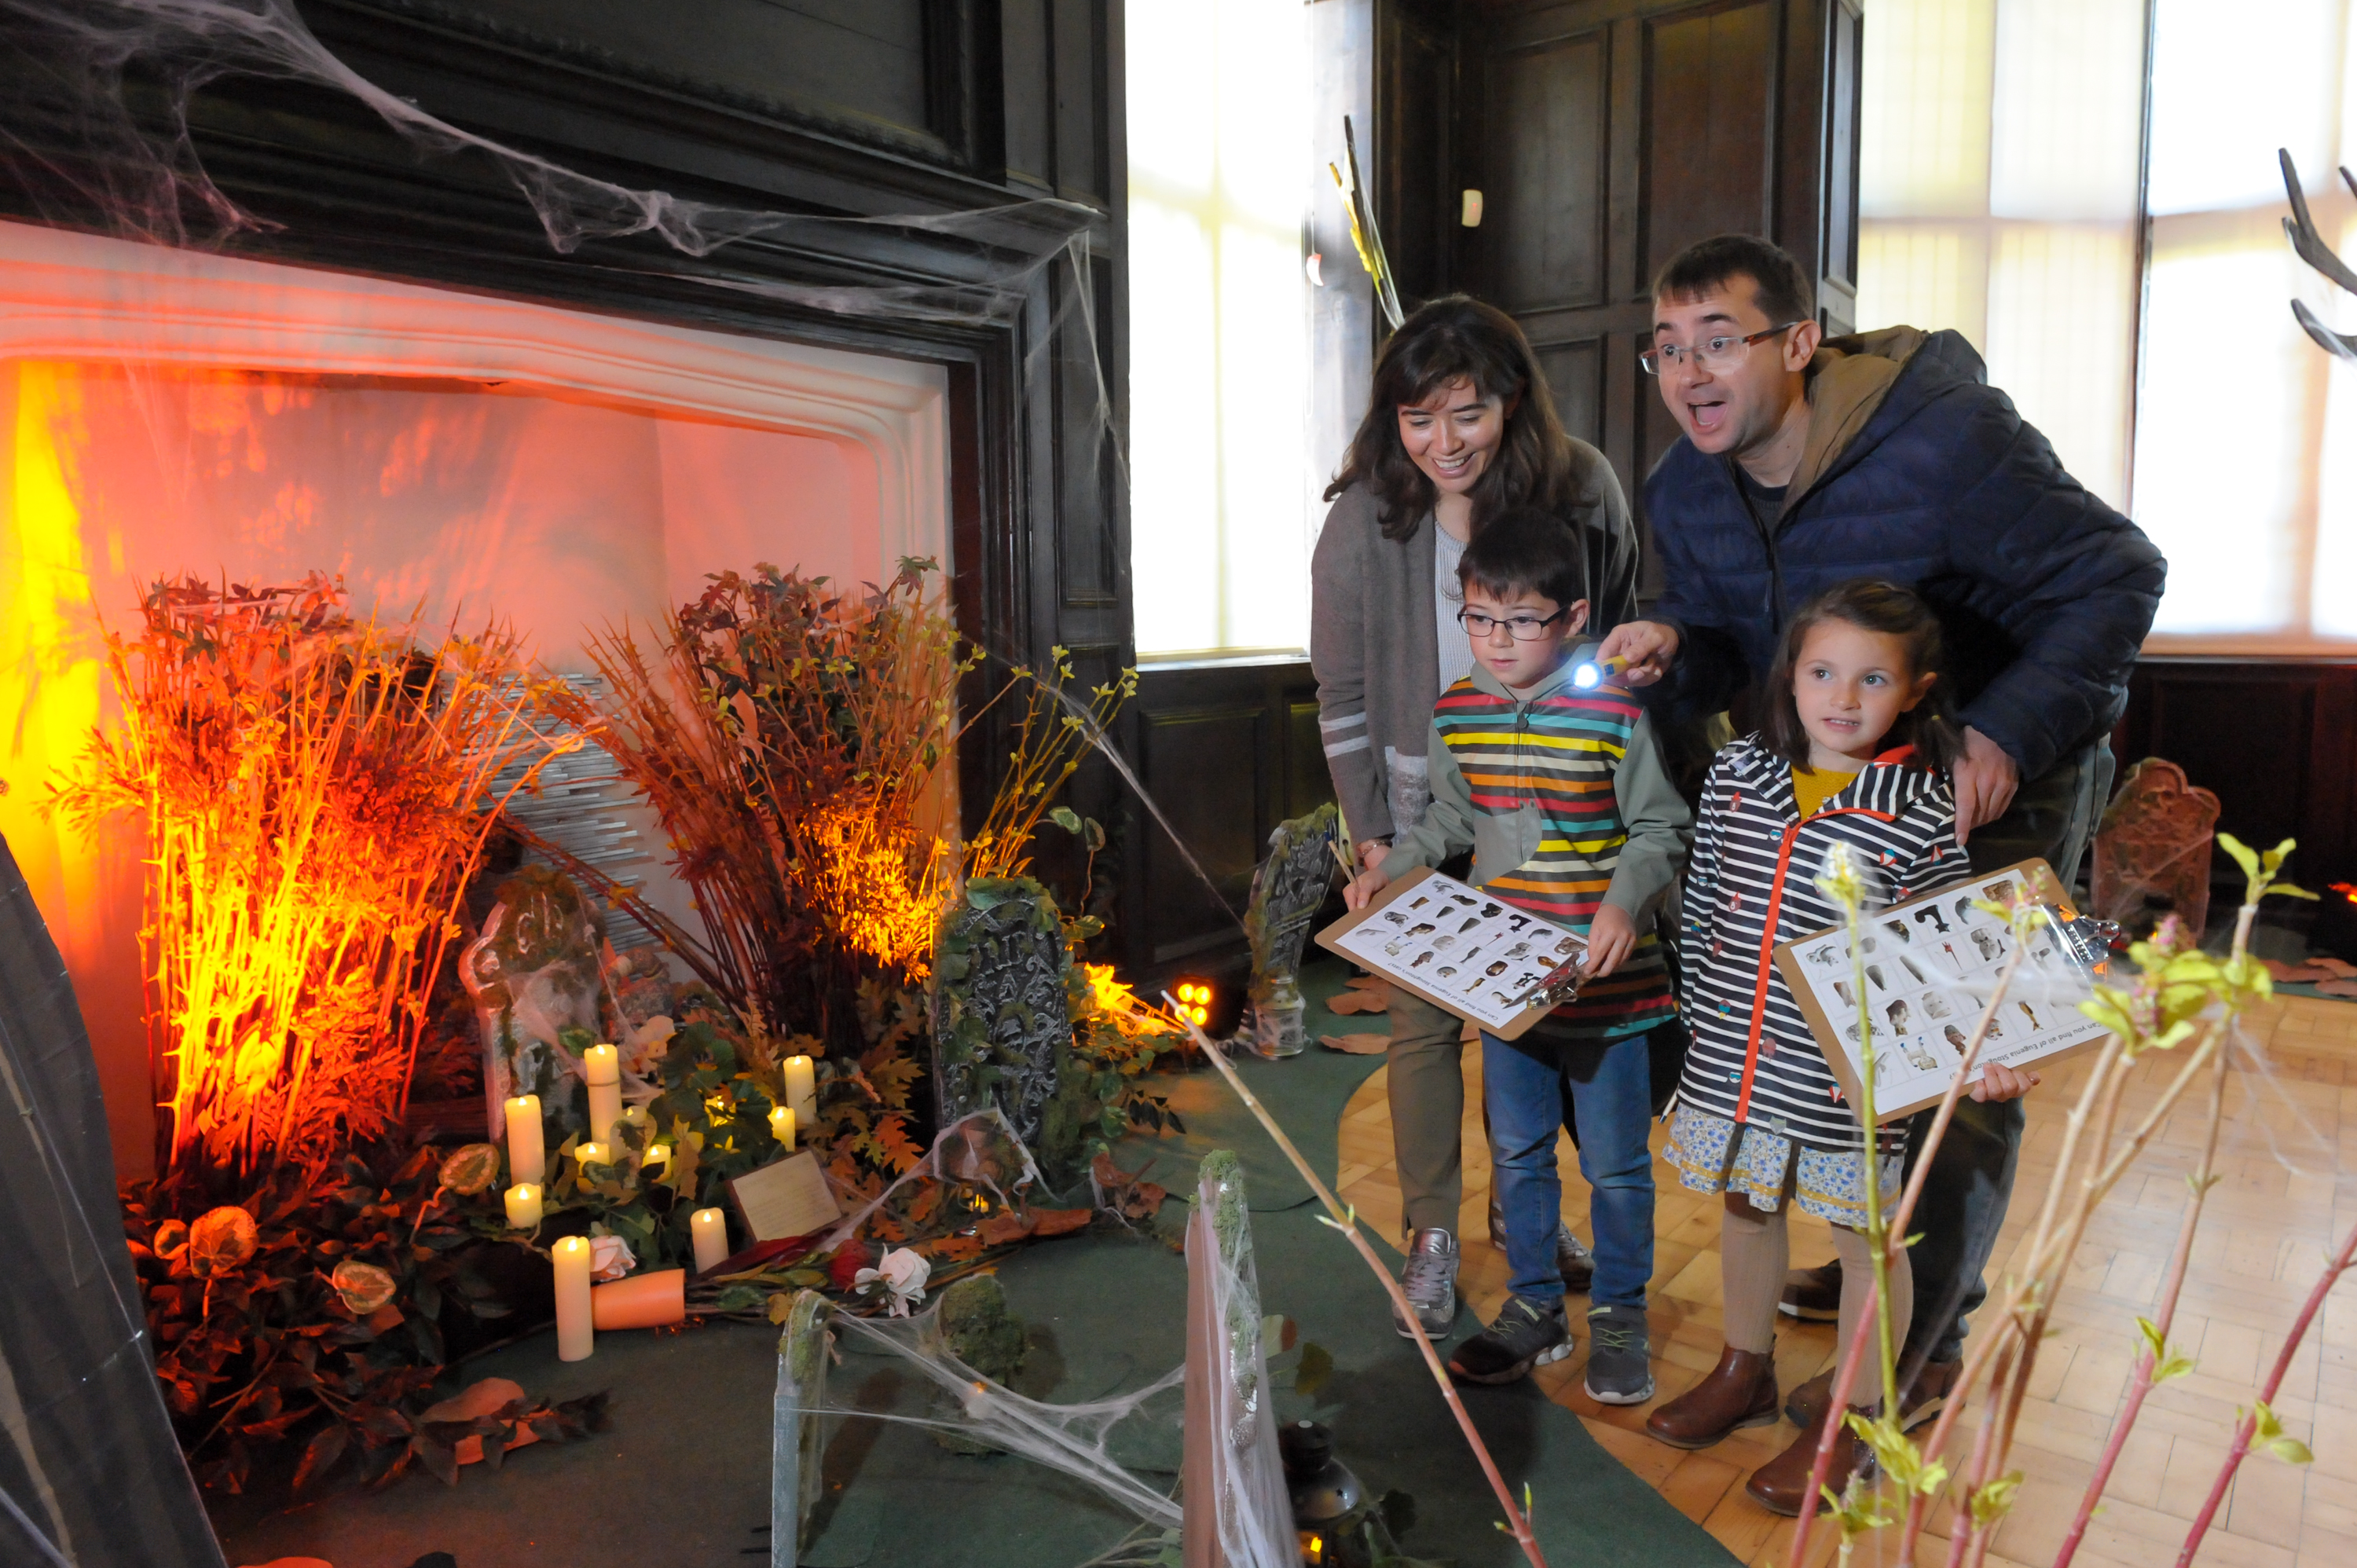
x=1525 y=1333
x=1429 y=1283
x=1620 y=1363
x=1573 y=1260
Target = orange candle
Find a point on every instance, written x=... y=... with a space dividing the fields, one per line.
x=643 y=1301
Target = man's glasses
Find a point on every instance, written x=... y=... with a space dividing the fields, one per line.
x=1522 y=628
x=1710 y=354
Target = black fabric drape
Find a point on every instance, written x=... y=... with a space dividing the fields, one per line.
x=89 y=1473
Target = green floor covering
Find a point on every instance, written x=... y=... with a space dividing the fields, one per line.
x=681 y=1477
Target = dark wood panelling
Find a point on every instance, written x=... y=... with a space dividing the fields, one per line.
x=1407 y=156
x=1575 y=376
x=1228 y=751
x=1605 y=135
x=2275 y=741
x=1543 y=166
x=1710 y=128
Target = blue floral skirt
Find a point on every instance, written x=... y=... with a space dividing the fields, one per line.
x=1714 y=1154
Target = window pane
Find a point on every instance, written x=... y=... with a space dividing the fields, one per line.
x=2058 y=302
x=1923 y=274
x=1264 y=380
x=2223 y=443
x=1173 y=446
x=1924 y=137
x=2070 y=73
x=2230 y=85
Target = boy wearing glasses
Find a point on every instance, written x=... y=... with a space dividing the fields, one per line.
x=1562 y=795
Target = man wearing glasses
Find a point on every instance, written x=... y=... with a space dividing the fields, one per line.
x=1802 y=463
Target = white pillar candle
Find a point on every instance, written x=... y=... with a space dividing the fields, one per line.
x=802 y=1090
x=575 y=1335
x=592 y=1154
x=523 y=1207
x=602 y=1066
x=527 y=1152
x=710 y=1229
x=781 y=1127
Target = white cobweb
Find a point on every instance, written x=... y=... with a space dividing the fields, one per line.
x=1210 y=1418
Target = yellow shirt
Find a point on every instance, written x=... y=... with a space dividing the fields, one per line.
x=1813 y=787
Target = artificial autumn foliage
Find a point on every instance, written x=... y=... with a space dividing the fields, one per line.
x=792 y=738
x=314 y=790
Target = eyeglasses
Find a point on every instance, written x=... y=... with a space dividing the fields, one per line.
x=1522 y=628
x=1710 y=354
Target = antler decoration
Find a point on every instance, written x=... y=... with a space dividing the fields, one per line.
x=2301 y=229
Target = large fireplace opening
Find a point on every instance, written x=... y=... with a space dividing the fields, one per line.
x=455 y=458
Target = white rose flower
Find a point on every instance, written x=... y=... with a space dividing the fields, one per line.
x=902 y=1273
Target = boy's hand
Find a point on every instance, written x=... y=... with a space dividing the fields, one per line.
x=1609 y=938
x=2000 y=1082
x=1361 y=889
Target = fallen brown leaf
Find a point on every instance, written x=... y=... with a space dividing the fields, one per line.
x=2343 y=988
x=1003 y=1227
x=1357 y=1045
x=1364 y=993
x=2340 y=968
x=2298 y=974
x=1061 y=1221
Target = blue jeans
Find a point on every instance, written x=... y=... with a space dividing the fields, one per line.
x=1608 y=1087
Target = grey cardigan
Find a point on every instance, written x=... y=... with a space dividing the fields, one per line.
x=1374 y=647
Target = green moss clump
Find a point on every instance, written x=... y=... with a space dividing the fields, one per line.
x=980 y=1332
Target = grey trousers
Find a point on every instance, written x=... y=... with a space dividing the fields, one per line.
x=1426 y=1089
x=1965 y=1197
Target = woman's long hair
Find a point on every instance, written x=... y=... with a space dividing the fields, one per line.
x=1870 y=606
x=1457 y=338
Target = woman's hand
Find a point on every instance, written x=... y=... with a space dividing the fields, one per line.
x=1361 y=889
x=1609 y=938
x=2000 y=1082
x=1372 y=852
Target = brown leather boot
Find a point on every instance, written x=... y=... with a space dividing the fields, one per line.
x=1740 y=1391
x=1781 y=1484
x=1919 y=1403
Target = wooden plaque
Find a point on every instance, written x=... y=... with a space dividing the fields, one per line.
x=787 y=1199
x=1459 y=948
x=1932 y=964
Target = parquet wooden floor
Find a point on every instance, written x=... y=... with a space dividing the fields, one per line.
x=2289 y=1158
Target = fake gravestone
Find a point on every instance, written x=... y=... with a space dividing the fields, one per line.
x=1002 y=1023
x=534 y=974
x=2152 y=852
x=798 y=1431
x=1286 y=894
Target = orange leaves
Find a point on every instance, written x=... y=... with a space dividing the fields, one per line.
x=313 y=788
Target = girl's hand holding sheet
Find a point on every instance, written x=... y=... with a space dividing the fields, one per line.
x=2000 y=1082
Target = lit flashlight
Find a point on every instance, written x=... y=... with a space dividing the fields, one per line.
x=1596 y=672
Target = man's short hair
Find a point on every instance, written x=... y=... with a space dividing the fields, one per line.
x=1706 y=265
x=1526 y=549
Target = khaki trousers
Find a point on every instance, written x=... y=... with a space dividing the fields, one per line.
x=1427 y=1089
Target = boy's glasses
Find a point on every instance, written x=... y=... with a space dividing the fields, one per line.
x=1711 y=354
x=1522 y=628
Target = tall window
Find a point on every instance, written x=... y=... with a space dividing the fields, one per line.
x=1219 y=360
x=2246 y=431
x=1999 y=197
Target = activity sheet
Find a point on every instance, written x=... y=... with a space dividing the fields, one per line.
x=1459 y=948
x=1931 y=965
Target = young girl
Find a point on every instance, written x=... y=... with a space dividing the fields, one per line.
x=1856 y=750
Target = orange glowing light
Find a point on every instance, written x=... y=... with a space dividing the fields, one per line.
x=1195 y=1000
x=2346 y=890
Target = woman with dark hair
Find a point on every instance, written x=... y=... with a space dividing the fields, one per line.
x=1460 y=429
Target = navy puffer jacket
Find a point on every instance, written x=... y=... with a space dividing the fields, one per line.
x=2044 y=593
